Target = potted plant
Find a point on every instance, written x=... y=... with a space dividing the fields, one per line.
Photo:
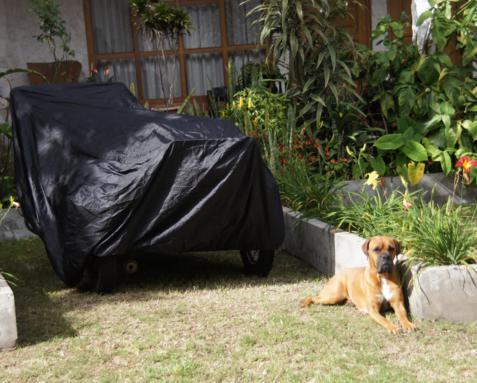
x=162 y=24
x=53 y=32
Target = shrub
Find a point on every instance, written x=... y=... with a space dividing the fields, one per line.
x=424 y=102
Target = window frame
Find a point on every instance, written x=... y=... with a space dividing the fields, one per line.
x=136 y=55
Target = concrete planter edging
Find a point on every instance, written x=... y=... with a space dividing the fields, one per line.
x=435 y=293
x=321 y=245
x=444 y=293
x=8 y=323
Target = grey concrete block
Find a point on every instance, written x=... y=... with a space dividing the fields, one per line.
x=445 y=293
x=310 y=240
x=13 y=226
x=8 y=323
x=348 y=252
x=436 y=186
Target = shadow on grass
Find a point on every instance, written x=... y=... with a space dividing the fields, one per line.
x=43 y=302
x=39 y=316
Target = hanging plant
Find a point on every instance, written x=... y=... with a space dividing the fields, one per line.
x=159 y=20
x=163 y=24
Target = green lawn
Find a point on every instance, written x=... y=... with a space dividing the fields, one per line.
x=197 y=318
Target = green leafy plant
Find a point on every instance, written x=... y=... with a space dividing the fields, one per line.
x=313 y=194
x=53 y=29
x=321 y=61
x=370 y=214
x=425 y=103
x=441 y=235
x=9 y=277
x=261 y=114
x=7 y=187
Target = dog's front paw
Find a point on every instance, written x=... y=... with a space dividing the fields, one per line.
x=408 y=326
x=306 y=302
x=392 y=328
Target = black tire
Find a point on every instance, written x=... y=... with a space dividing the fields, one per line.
x=106 y=274
x=257 y=262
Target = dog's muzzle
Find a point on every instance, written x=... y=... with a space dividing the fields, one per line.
x=385 y=264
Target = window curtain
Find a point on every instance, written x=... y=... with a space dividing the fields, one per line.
x=204 y=71
x=112 y=34
x=159 y=76
x=111 y=26
x=240 y=28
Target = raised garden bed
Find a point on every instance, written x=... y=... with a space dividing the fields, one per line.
x=444 y=292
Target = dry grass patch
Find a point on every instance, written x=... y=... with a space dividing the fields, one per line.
x=198 y=318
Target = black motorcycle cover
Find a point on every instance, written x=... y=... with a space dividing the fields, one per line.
x=98 y=174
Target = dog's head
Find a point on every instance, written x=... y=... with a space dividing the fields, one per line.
x=381 y=251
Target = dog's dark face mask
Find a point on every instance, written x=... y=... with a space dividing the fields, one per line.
x=385 y=263
x=381 y=251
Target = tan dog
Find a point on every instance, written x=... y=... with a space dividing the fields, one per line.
x=371 y=286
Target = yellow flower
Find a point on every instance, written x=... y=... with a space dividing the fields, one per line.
x=415 y=172
x=14 y=203
x=240 y=104
x=372 y=179
x=233 y=104
x=250 y=103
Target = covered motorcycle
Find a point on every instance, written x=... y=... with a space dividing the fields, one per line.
x=99 y=176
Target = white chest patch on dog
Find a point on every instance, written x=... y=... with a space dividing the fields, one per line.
x=386 y=290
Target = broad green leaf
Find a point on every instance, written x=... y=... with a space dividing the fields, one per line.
x=378 y=165
x=390 y=142
x=387 y=104
x=447 y=108
x=415 y=172
x=406 y=77
x=427 y=71
x=415 y=151
x=446 y=120
x=423 y=17
x=446 y=163
x=471 y=127
x=406 y=100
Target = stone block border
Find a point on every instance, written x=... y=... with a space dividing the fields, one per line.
x=8 y=323
x=327 y=249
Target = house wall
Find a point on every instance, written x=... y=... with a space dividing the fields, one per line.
x=18 y=25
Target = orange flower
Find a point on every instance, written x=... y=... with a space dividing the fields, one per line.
x=465 y=163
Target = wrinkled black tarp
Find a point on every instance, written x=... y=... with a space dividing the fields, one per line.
x=97 y=174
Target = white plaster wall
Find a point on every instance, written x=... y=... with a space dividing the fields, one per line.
x=379 y=8
x=17 y=44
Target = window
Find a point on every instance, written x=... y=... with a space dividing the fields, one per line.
x=195 y=63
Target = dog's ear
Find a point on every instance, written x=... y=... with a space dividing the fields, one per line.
x=365 y=246
x=397 y=248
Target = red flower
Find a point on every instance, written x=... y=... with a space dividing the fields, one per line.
x=327 y=152
x=465 y=163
